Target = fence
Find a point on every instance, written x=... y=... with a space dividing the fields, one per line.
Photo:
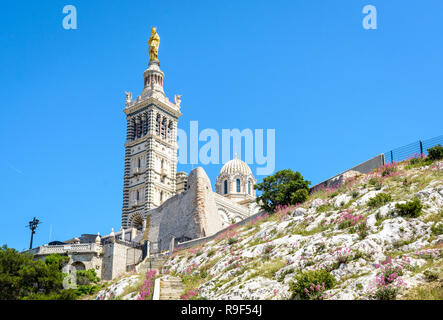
x=413 y=149
x=416 y=148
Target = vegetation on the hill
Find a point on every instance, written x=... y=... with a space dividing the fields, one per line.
x=87 y=282
x=409 y=209
x=284 y=188
x=375 y=236
x=311 y=285
x=379 y=200
x=23 y=278
x=436 y=153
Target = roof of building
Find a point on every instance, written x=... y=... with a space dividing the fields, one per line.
x=235 y=166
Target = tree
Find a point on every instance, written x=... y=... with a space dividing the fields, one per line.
x=21 y=277
x=435 y=153
x=285 y=187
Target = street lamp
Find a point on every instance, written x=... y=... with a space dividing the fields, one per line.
x=33 y=225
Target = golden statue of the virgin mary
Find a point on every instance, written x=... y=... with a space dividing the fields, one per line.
x=154 y=43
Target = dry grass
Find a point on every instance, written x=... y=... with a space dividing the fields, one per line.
x=427 y=291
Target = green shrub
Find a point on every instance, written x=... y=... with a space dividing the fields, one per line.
x=211 y=253
x=232 y=241
x=435 y=153
x=86 y=277
x=68 y=294
x=333 y=194
x=386 y=293
x=22 y=277
x=437 y=228
x=415 y=161
x=203 y=273
x=285 y=187
x=387 y=170
x=379 y=200
x=363 y=232
x=86 y=290
x=432 y=274
x=324 y=208
x=305 y=279
x=410 y=209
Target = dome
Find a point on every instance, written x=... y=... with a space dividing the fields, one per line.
x=236 y=181
x=235 y=166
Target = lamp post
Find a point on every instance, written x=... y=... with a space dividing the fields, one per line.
x=33 y=225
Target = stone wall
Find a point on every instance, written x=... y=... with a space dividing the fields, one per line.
x=230 y=211
x=191 y=214
x=81 y=256
x=114 y=260
x=199 y=241
x=362 y=168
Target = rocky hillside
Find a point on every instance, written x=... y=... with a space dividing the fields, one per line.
x=378 y=236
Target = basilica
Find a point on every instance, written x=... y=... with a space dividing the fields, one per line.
x=160 y=205
x=152 y=184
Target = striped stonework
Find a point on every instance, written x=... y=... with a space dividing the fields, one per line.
x=150 y=149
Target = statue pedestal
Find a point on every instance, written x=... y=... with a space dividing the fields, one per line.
x=154 y=62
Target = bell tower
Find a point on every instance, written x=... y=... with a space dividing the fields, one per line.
x=151 y=144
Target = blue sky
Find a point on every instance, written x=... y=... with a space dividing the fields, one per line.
x=335 y=93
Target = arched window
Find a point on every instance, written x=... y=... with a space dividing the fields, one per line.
x=249 y=187
x=163 y=129
x=139 y=127
x=136 y=130
x=142 y=126
x=134 y=125
x=225 y=187
x=145 y=127
x=238 y=185
x=157 y=125
x=139 y=163
x=169 y=131
x=138 y=195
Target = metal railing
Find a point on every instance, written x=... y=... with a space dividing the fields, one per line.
x=414 y=149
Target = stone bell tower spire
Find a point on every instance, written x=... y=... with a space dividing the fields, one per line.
x=153 y=80
x=151 y=144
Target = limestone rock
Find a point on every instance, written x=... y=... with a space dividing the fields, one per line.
x=118 y=288
x=299 y=212
x=341 y=200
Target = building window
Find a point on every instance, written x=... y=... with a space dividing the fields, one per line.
x=136 y=131
x=238 y=185
x=169 y=132
x=134 y=125
x=138 y=126
x=138 y=195
x=145 y=127
x=163 y=129
x=157 y=125
x=161 y=197
x=249 y=187
x=139 y=163
x=225 y=187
